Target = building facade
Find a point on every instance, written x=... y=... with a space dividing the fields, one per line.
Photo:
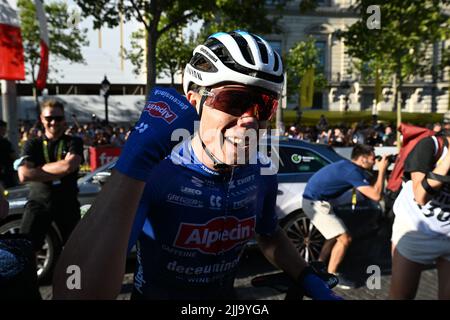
x=345 y=89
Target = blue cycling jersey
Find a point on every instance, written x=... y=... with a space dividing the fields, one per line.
x=192 y=224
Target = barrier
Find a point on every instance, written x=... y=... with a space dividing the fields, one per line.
x=100 y=156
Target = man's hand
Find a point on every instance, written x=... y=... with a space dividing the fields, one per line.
x=317 y=289
x=150 y=141
x=383 y=163
x=375 y=192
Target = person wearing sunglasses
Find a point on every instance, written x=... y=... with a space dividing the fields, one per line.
x=190 y=214
x=50 y=165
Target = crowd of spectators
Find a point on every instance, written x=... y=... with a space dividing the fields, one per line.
x=94 y=133
x=375 y=133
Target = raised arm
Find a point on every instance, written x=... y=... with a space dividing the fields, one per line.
x=98 y=245
x=442 y=168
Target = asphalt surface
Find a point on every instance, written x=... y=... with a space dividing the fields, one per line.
x=373 y=250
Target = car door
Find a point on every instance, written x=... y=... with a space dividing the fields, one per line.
x=296 y=165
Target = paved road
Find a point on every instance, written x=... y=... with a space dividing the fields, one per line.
x=254 y=264
x=371 y=250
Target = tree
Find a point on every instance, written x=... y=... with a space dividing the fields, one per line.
x=159 y=16
x=65 y=42
x=408 y=29
x=172 y=53
x=300 y=58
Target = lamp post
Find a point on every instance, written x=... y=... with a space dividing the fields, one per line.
x=104 y=91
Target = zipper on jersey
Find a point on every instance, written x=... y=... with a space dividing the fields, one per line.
x=227 y=184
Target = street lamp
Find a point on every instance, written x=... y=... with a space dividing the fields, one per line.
x=104 y=91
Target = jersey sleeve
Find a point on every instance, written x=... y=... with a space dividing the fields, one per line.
x=266 y=220
x=421 y=158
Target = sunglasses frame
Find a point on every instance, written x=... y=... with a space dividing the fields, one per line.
x=209 y=93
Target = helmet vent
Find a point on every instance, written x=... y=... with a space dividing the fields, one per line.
x=262 y=49
x=243 y=46
x=200 y=62
x=276 y=64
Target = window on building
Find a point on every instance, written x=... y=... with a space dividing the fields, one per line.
x=321 y=48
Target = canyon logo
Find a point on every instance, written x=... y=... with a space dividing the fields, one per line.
x=217 y=235
x=161 y=110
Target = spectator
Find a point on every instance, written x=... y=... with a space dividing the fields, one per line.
x=329 y=183
x=437 y=127
x=50 y=164
x=323 y=123
x=421 y=229
x=373 y=138
x=323 y=137
x=389 y=138
x=338 y=138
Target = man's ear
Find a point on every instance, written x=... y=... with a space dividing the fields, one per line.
x=193 y=97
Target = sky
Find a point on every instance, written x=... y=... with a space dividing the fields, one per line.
x=101 y=61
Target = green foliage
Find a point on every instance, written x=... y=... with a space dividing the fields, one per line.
x=65 y=42
x=408 y=28
x=311 y=117
x=137 y=53
x=161 y=16
x=445 y=61
x=173 y=52
x=303 y=56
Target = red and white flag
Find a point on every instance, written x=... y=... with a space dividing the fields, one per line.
x=11 y=48
x=43 y=68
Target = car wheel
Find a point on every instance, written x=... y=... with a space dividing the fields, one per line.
x=306 y=238
x=46 y=257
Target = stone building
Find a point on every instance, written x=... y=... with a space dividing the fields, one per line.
x=346 y=90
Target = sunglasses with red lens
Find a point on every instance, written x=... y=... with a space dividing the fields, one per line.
x=239 y=100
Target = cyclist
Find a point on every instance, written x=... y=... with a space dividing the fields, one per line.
x=193 y=212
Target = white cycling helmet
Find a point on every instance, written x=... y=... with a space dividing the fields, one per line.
x=237 y=56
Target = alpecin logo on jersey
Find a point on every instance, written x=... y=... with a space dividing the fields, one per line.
x=219 y=234
x=161 y=110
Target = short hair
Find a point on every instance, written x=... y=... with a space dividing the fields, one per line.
x=52 y=103
x=361 y=150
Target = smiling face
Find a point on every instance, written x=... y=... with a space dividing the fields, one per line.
x=231 y=133
x=53 y=121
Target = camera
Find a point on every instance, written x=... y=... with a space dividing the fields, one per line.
x=391 y=158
